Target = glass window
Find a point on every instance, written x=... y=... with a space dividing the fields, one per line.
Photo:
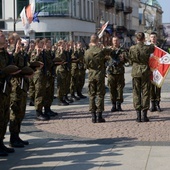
x=20 y=4
x=52 y=7
x=0 y=9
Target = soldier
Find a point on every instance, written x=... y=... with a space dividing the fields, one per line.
x=5 y=90
x=155 y=92
x=139 y=55
x=81 y=71
x=61 y=73
x=116 y=70
x=50 y=78
x=18 y=95
x=95 y=62
x=39 y=79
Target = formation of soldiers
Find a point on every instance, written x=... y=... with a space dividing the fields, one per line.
x=31 y=71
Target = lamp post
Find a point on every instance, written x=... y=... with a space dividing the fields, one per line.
x=14 y=15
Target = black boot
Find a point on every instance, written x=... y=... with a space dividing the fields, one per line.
x=158 y=106
x=25 y=142
x=74 y=98
x=62 y=103
x=113 y=109
x=14 y=142
x=31 y=102
x=145 y=118
x=49 y=112
x=138 y=112
x=6 y=149
x=118 y=107
x=3 y=153
x=68 y=100
x=41 y=116
x=93 y=117
x=153 y=106
x=100 y=119
x=81 y=96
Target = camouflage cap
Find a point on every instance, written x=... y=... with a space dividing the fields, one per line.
x=10 y=69
x=27 y=70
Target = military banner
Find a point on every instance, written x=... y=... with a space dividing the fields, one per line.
x=159 y=63
x=100 y=33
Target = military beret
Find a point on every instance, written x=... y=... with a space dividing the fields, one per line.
x=10 y=69
x=27 y=70
x=36 y=64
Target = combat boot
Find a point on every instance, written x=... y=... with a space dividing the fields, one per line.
x=3 y=153
x=118 y=106
x=158 y=108
x=68 y=100
x=93 y=117
x=5 y=149
x=100 y=119
x=138 y=112
x=62 y=103
x=25 y=142
x=31 y=102
x=153 y=106
x=14 y=142
x=113 y=109
x=81 y=96
x=49 y=112
x=74 y=98
x=145 y=118
x=40 y=116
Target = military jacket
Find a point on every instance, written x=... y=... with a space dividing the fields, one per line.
x=139 y=56
x=95 y=62
x=61 y=56
x=116 y=65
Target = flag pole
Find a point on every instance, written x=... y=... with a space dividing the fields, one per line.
x=14 y=16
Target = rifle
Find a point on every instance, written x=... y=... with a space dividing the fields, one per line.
x=86 y=45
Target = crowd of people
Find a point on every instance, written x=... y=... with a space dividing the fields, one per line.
x=31 y=70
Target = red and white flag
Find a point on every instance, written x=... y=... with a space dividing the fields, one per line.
x=100 y=33
x=159 y=63
x=30 y=10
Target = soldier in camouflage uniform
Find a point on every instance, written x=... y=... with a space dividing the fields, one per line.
x=61 y=73
x=40 y=79
x=5 y=90
x=50 y=78
x=81 y=71
x=95 y=62
x=116 y=70
x=18 y=97
x=139 y=56
x=155 y=92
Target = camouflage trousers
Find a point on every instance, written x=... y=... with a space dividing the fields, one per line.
x=4 y=113
x=96 y=95
x=116 y=83
x=155 y=93
x=18 y=108
x=141 y=92
x=81 y=80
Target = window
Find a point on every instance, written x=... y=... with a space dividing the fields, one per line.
x=52 y=7
x=0 y=9
x=20 y=4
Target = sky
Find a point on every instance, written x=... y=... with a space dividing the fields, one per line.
x=165 y=4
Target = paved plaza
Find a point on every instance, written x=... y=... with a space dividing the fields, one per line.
x=71 y=141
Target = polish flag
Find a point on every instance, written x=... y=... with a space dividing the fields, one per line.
x=100 y=33
x=30 y=10
x=159 y=63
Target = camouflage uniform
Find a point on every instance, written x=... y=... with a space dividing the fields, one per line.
x=61 y=73
x=40 y=81
x=139 y=56
x=4 y=95
x=95 y=62
x=81 y=73
x=116 y=80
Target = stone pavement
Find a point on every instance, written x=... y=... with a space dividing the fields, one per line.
x=71 y=142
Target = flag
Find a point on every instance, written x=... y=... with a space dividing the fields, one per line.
x=35 y=17
x=100 y=33
x=159 y=63
x=25 y=22
x=30 y=10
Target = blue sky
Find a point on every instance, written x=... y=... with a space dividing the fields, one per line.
x=165 y=4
